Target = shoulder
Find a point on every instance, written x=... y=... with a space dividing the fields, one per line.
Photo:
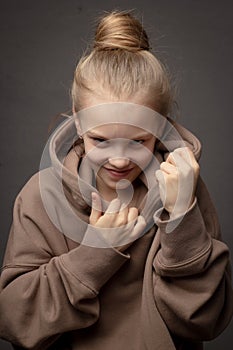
x=30 y=201
x=33 y=223
x=30 y=192
x=31 y=187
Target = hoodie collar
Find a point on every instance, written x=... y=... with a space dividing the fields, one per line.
x=65 y=157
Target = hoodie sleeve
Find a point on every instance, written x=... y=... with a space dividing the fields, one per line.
x=192 y=277
x=45 y=289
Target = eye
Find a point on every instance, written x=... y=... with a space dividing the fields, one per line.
x=137 y=142
x=98 y=139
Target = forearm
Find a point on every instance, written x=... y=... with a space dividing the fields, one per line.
x=61 y=295
x=192 y=282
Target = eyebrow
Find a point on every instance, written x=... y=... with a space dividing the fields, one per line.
x=93 y=134
x=142 y=135
x=137 y=136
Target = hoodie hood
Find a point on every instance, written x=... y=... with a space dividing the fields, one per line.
x=66 y=150
x=68 y=185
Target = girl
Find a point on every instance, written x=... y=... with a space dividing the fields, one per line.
x=116 y=244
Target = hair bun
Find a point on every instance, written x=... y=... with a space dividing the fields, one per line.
x=120 y=30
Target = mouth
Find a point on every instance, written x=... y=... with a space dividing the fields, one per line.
x=118 y=173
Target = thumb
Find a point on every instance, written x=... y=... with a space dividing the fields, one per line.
x=160 y=176
x=96 y=208
x=139 y=227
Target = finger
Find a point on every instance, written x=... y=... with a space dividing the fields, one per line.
x=124 y=207
x=122 y=216
x=96 y=208
x=189 y=157
x=186 y=154
x=114 y=206
x=160 y=176
x=176 y=159
x=139 y=227
x=168 y=168
x=170 y=159
x=184 y=150
x=132 y=214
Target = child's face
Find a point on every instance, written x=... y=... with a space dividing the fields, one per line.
x=119 y=141
x=117 y=152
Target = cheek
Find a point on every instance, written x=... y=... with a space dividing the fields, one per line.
x=96 y=156
x=143 y=154
x=142 y=158
x=139 y=155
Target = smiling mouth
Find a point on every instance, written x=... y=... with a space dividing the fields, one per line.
x=118 y=173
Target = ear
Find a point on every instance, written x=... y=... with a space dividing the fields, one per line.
x=77 y=124
x=73 y=108
x=78 y=127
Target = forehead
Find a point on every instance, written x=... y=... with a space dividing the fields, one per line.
x=121 y=115
x=119 y=130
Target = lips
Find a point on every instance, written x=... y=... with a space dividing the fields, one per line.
x=118 y=173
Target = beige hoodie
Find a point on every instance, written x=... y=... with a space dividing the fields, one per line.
x=166 y=291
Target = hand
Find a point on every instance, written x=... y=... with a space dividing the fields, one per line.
x=177 y=179
x=127 y=223
x=116 y=214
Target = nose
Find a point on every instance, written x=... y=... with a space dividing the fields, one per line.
x=119 y=162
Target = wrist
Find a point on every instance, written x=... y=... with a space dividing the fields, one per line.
x=179 y=210
x=162 y=216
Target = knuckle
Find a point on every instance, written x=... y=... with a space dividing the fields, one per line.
x=173 y=176
x=121 y=221
x=162 y=164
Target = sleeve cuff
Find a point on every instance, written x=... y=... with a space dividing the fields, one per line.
x=162 y=218
x=188 y=241
x=94 y=266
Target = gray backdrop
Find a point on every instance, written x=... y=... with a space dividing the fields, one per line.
x=41 y=42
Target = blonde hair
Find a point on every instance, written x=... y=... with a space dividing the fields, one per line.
x=121 y=64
